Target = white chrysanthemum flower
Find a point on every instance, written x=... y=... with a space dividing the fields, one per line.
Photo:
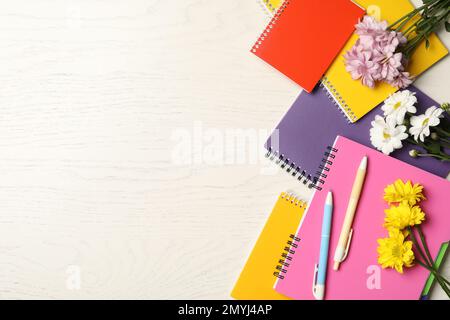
x=398 y=104
x=386 y=135
x=420 y=125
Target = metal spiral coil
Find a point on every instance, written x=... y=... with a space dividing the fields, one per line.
x=286 y=256
x=293 y=199
x=290 y=166
x=269 y=27
x=338 y=100
x=266 y=7
x=269 y=6
x=324 y=168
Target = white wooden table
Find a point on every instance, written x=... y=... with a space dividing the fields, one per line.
x=94 y=96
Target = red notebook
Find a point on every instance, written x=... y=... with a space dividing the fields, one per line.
x=304 y=37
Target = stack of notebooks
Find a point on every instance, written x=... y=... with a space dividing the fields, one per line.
x=306 y=41
x=320 y=141
x=282 y=264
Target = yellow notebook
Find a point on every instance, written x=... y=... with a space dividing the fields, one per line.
x=268 y=257
x=272 y=5
x=355 y=99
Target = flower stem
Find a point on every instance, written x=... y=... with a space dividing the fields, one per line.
x=410 y=15
x=429 y=17
x=428 y=264
x=442 y=281
x=442 y=131
x=424 y=244
x=433 y=271
x=418 y=248
x=443 y=158
x=443 y=286
x=411 y=29
x=427 y=251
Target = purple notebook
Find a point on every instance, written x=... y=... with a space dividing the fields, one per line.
x=301 y=140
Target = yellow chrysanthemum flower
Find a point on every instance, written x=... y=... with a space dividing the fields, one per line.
x=404 y=192
x=402 y=216
x=394 y=252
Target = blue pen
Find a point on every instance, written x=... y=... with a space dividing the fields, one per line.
x=320 y=271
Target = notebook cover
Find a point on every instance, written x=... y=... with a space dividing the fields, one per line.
x=353 y=281
x=257 y=278
x=356 y=99
x=271 y=5
x=313 y=122
x=305 y=36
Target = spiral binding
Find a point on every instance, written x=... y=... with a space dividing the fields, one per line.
x=269 y=27
x=291 y=197
x=291 y=243
x=290 y=166
x=267 y=7
x=324 y=168
x=337 y=99
x=286 y=257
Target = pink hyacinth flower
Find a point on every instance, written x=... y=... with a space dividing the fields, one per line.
x=375 y=55
x=386 y=55
x=369 y=30
x=391 y=66
x=370 y=27
x=361 y=66
x=403 y=80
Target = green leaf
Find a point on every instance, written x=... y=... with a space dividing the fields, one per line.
x=433 y=147
x=447 y=26
x=445 y=124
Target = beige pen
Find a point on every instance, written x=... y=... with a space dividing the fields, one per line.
x=346 y=232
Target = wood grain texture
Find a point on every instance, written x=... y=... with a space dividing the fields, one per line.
x=91 y=94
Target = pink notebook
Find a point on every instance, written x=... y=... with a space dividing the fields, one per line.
x=355 y=278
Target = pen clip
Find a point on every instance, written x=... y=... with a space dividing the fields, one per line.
x=350 y=235
x=316 y=269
